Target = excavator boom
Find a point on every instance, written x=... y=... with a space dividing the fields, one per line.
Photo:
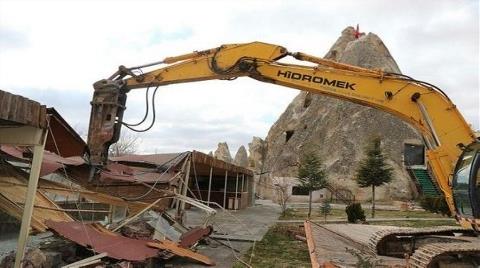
x=424 y=106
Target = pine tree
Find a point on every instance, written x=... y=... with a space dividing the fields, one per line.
x=312 y=175
x=373 y=170
x=325 y=209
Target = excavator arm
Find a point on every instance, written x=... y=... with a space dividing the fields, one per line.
x=424 y=106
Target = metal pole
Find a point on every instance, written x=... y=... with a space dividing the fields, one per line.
x=209 y=185
x=254 y=186
x=225 y=190
x=236 y=193
x=30 y=200
x=243 y=183
x=242 y=190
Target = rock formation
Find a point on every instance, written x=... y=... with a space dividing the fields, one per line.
x=241 y=157
x=256 y=154
x=223 y=153
x=337 y=129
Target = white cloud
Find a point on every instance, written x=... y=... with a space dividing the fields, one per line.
x=59 y=48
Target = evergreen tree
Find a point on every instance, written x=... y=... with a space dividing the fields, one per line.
x=325 y=209
x=373 y=170
x=312 y=175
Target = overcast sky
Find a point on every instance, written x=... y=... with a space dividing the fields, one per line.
x=52 y=52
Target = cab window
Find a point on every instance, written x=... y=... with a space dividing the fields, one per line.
x=461 y=183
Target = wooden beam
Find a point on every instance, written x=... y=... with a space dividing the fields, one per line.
x=236 y=194
x=209 y=185
x=88 y=261
x=24 y=135
x=225 y=190
x=185 y=189
x=30 y=200
x=183 y=252
x=311 y=244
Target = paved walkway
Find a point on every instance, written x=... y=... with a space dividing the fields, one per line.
x=235 y=228
x=370 y=220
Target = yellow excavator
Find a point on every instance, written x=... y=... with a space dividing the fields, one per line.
x=453 y=151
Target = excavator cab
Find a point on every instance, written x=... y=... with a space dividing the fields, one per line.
x=466 y=183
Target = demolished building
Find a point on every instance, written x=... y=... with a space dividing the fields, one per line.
x=68 y=200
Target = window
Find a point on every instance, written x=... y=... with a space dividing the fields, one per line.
x=461 y=184
x=414 y=155
x=297 y=190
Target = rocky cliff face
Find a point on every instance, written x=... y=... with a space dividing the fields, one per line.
x=338 y=130
x=241 y=157
x=223 y=153
x=256 y=154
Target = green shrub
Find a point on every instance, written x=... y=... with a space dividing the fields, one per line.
x=355 y=213
x=435 y=205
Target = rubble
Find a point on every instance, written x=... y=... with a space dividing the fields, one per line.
x=177 y=250
x=138 y=230
x=34 y=258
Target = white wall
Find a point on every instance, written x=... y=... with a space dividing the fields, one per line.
x=290 y=182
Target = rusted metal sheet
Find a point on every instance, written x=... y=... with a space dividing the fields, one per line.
x=120 y=188
x=114 y=171
x=192 y=236
x=202 y=161
x=17 y=110
x=210 y=161
x=62 y=138
x=102 y=240
x=13 y=191
x=167 y=161
x=51 y=162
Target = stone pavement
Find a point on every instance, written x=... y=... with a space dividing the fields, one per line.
x=236 y=228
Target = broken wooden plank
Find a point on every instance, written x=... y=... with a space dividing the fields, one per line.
x=14 y=189
x=87 y=261
x=16 y=211
x=311 y=244
x=182 y=252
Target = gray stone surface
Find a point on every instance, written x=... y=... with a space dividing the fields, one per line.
x=339 y=130
x=223 y=153
x=251 y=223
x=256 y=153
x=241 y=157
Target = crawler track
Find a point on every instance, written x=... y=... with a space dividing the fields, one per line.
x=426 y=255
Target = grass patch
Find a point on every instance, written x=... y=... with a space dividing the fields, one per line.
x=339 y=214
x=278 y=249
x=417 y=224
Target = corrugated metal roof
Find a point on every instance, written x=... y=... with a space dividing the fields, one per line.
x=102 y=240
x=62 y=138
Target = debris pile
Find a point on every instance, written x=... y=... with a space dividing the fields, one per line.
x=126 y=213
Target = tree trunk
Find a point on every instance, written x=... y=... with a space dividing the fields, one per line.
x=373 y=201
x=309 y=204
